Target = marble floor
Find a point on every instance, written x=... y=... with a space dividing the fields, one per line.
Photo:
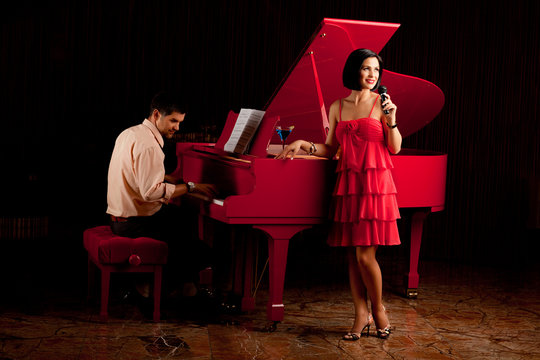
x=462 y=312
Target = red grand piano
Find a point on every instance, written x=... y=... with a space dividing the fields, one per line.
x=253 y=184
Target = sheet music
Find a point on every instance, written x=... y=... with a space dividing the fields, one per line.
x=247 y=123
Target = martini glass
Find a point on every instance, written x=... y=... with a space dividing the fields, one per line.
x=283 y=133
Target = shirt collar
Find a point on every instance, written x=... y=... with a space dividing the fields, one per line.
x=155 y=131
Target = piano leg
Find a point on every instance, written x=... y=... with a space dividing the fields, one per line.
x=277 y=252
x=278 y=246
x=412 y=278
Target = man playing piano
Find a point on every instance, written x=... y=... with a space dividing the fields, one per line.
x=139 y=190
x=364 y=207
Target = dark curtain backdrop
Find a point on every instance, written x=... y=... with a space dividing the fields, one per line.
x=73 y=74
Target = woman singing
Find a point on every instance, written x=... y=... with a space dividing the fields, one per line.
x=364 y=208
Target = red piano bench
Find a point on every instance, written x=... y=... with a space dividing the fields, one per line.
x=112 y=253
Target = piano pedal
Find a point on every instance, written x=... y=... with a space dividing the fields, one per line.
x=227 y=308
x=412 y=293
x=230 y=305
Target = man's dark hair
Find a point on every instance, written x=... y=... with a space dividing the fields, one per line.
x=352 y=66
x=168 y=102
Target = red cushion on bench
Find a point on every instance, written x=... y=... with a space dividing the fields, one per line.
x=106 y=247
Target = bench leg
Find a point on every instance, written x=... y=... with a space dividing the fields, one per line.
x=105 y=283
x=91 y=280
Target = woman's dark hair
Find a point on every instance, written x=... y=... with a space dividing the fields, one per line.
x=352 y=67
x=168 y=102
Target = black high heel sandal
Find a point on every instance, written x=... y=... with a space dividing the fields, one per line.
x=384 y=333
x=352 y=336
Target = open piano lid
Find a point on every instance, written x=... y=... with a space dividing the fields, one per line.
x=315 y=81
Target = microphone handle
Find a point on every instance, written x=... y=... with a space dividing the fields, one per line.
x=383 y=99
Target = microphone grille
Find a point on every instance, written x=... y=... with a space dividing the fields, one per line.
x=382 y=89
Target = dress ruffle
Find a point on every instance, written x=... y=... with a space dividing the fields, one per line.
x=364 y=207
x=364 y=233
x=366 y=155
x=353 y=208
x=372 y=181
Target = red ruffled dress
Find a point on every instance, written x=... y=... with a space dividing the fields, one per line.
x=364 y=207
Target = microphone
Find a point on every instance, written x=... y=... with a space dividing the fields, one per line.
x=382 y=92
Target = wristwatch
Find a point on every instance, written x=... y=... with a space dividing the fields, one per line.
x=190 y=186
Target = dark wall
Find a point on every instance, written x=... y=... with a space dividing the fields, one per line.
x=74 y=74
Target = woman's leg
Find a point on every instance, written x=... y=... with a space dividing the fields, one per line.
x=359 y=293
x=372 y=279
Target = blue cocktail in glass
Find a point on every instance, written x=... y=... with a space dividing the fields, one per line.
x=283 y=133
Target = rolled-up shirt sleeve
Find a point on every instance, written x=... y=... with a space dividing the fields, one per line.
x=150 y=173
